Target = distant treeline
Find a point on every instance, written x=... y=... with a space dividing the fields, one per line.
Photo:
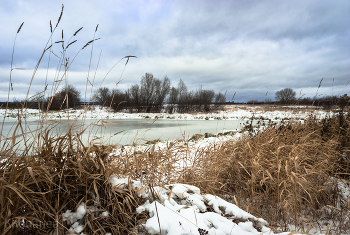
x=68 y=97
x=152 y=93
x=325 y=101
x=179 y=105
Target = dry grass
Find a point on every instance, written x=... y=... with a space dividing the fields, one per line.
x=35 y=190
x=285 y=175
x=285 y=172
x=43 y=175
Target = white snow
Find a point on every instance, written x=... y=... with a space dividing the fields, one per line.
x=76 y=219
x=231 y=113
x=182 y=209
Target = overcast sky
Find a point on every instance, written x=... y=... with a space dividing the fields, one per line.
x=249 y=47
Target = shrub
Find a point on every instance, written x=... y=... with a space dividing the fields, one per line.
x=196 y=137
x=207 y=135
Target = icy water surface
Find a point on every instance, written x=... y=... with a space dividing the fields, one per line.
x=128 y=131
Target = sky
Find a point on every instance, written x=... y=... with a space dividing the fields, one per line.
x=252 y=48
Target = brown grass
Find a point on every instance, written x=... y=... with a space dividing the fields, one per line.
x=43 y=175
x=287 y=174
x=35 y=190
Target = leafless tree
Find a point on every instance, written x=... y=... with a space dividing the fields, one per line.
x=286 y=95
x=220 y=98
x=182 y=88
x=206 y=97
x=183 y=97
x=148 y=88
x=173 y=96
x=150 y=94
x=103 y=95
x=134 y=93
x=118 y=99
x=162 y=90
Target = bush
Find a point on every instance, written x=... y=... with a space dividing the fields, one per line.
x=196 y=137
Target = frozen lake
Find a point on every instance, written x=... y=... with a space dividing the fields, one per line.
x=127 y=131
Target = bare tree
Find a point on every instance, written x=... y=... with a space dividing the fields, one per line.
x=151 y=93
x=173 y=96
x=182 y=88
x=134 y=92
x=118 y=99
x=206 y=98
x=147 y=89
x=173 y=99
x=285 y=95
x=220 y=98
x=183 y=98
x=103 y=95
x=162 y=90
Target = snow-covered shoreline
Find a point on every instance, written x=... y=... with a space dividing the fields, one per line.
x=230 y=113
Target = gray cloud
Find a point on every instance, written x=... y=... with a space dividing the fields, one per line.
x=248 y=47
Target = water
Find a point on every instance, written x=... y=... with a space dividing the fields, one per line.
x=128 y=131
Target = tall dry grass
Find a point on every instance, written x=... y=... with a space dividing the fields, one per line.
x=43 y=175
x=288 y=174
x=36 y=189
x=285 y=172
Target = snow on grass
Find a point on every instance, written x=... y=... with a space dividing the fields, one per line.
x=181 y=209
x=76 y=219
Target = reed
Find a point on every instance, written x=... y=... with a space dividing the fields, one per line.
x=43 y=175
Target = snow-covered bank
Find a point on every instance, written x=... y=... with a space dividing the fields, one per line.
x=97 y=112
x=182 y=209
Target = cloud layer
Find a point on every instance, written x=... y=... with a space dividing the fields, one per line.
x=248 y=47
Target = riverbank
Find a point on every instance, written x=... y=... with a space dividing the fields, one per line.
x=227 y=112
